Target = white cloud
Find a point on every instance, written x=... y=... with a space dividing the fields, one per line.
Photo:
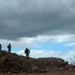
x=70 y=44
x=4 y=42
x=32 y=42
x=67 y=56
x=69 y=39
x=64 y=38
x=41 y=53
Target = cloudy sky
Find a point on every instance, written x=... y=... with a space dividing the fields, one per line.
x=46 y=27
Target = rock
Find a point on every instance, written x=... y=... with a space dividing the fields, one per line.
x=11 y=62
x=35 y=69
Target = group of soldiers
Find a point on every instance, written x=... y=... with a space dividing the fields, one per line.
x=27 y=51
x=8 y=46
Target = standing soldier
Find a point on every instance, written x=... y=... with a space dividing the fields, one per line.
x=9 y=47
x=0 y=46
x=27 y=51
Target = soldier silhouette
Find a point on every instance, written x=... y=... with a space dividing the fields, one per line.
x=27 y=51
x=9 y=47
x=0 y=46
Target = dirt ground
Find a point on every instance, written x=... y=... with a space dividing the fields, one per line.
x=49 y=73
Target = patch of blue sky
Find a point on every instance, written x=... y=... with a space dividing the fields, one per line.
x=60 y=47
x=4 y=49
x=53 y=46
x=13 y=49
x=45 y=46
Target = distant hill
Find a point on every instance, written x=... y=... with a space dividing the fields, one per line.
x=11 y=62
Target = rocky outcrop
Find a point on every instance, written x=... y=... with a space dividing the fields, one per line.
x=11 y=62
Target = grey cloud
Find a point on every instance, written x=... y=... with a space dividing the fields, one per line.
x=28 y=18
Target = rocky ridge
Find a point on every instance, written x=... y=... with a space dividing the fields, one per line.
x=11 y=62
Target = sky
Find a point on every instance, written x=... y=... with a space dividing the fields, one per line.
x=46 y=27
